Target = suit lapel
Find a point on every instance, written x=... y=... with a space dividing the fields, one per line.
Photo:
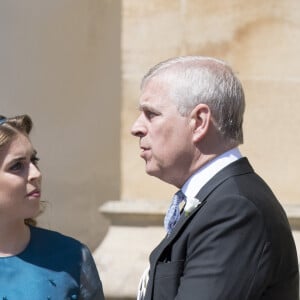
x=238 y=167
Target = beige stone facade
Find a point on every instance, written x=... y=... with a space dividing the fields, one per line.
x=60 y=63
x=75 y=66
x=260 y=40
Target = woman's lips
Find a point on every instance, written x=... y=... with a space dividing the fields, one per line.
x=35 y=193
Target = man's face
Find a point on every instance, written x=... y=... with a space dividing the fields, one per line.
x=165 y=135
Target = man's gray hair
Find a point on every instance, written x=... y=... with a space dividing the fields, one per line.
x=196 y=79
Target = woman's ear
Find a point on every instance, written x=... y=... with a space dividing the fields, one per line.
x=200 y=121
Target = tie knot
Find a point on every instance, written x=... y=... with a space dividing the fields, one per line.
x=173 y=213
x=178 y=197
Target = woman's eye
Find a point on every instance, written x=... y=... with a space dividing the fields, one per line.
x=17 y=166
x=35 y=160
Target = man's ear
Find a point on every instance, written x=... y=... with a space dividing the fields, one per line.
x=200 y=121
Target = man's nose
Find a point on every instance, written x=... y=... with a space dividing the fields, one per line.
x=138 y=129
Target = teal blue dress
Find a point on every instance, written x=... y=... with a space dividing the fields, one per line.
x=52 y=267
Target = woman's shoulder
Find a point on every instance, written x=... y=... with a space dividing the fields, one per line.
x=54 y=250
x=53 y=242
x=51 y=235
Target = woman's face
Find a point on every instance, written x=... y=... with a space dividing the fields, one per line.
x=20 y=180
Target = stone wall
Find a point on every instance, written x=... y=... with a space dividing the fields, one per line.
x=75 y=67
x=260 y=40
x=60 y=63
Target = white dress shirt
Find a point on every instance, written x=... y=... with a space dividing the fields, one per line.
x=205 y=173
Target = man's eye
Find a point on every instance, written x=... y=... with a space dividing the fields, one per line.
x=150 y=114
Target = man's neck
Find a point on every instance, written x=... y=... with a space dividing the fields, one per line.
x=201 y=176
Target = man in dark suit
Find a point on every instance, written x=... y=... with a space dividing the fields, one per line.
x=232 y=239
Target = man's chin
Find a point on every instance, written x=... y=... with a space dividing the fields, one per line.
x=151 y=171
x=155 y=173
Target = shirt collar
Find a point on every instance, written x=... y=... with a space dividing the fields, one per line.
x=206 y=172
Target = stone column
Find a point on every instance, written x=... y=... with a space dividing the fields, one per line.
x=123 y=255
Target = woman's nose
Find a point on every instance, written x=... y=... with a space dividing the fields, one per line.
x=34 y=172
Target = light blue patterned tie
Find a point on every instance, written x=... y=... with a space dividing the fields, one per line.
x=173 y=213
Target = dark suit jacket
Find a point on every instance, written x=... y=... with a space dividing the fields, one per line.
x=236 y=245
